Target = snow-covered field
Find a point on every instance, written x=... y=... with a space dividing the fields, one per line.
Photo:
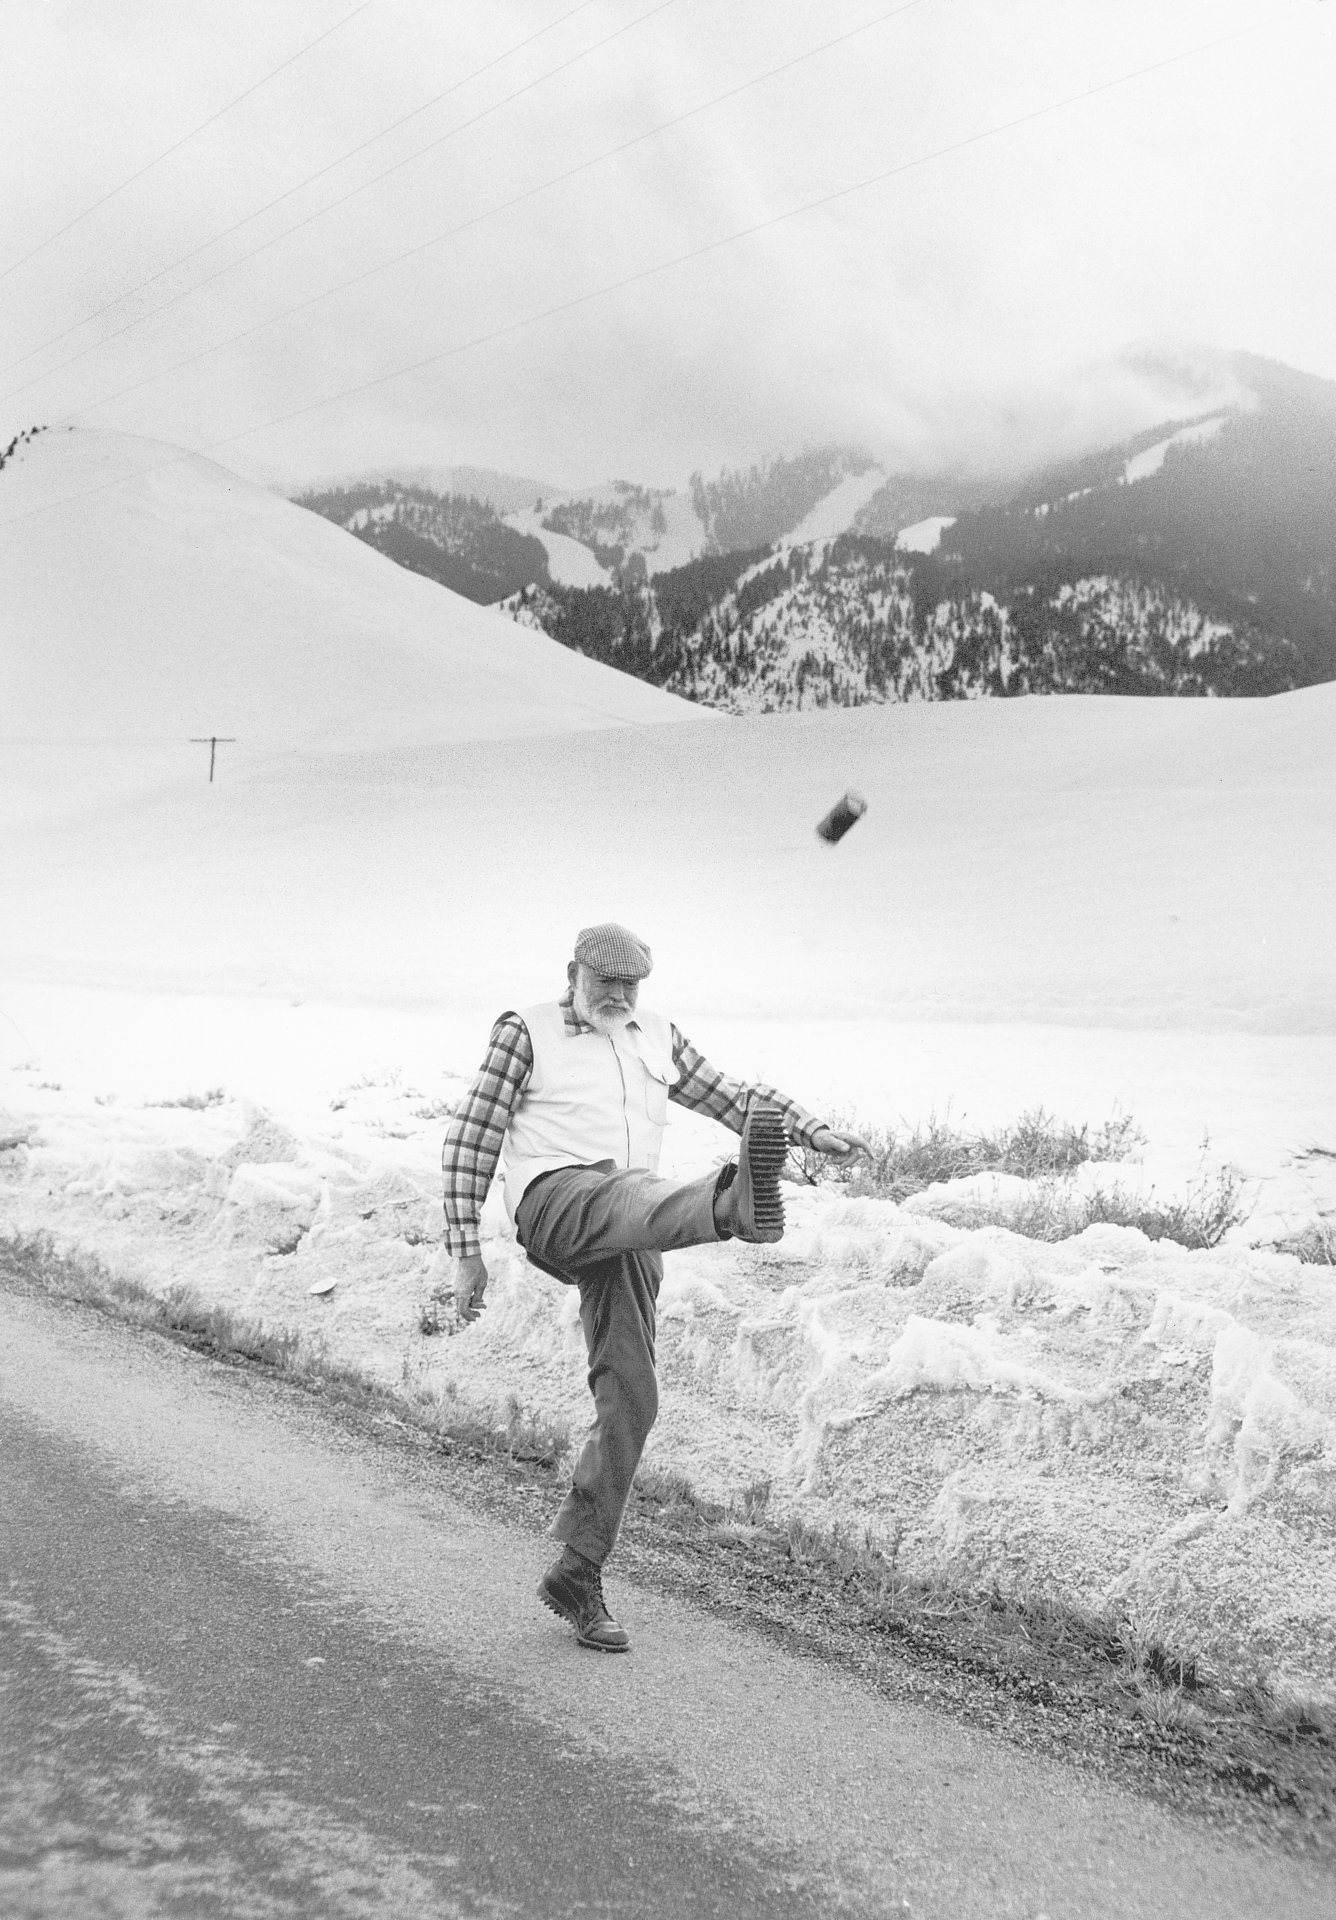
x=232 y=1020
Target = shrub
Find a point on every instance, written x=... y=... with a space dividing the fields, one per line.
x=1039 y=1148
x=197 y=1102
x=1314 y=1244
x=1034 y=1146
x=1052 y=1210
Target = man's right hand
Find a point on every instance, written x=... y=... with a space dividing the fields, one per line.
x=470 y=1285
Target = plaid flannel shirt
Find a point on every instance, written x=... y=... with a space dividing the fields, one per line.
x=474 y=1136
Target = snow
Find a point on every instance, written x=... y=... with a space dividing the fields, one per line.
x=1085 y=861
x=1142 y=465
x=683 y=537
x=836 y=512
x=234 y=1018
x=1135 y=610
x=570 y=562
x=148 y=596
x=924 y=536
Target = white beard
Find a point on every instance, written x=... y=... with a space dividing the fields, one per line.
x=601 y=1022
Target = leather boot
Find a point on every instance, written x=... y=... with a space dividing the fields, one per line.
x=573 y=1587
x=750 y=1205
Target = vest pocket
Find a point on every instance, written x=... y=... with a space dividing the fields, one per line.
x=656 y=1095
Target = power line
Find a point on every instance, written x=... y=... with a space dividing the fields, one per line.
x=660 y=7
x=177 y=145
x=563 y=307
x=506 y=206
x=135 y=740
x=288 y=192
x=740 y=233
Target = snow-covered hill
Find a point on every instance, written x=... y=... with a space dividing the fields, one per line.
x=148 y=596
x=457 y=540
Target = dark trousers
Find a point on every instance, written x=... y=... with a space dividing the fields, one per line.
x=603 y=1230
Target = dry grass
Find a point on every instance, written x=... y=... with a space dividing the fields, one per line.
x=1314 y=1244
x=179 y=1313
x=531 y=1436
x=1042 y=1150
x=1052 y=1211
x=1036 y=1146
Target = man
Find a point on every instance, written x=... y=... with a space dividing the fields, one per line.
x=572 y=1099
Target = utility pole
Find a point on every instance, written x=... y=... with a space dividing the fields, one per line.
x=212 y=741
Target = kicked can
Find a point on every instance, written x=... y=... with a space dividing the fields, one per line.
x=849 y=807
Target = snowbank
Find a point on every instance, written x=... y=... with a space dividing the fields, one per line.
x=1107 y=1418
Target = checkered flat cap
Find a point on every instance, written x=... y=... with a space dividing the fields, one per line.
x=613 y=951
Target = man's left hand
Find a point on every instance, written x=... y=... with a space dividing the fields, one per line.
x=841 y=1145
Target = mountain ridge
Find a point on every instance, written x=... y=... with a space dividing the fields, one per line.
x=1191 y=556
x=1195 y=557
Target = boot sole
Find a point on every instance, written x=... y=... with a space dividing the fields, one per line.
x=554 y=1605
x=764 y=1151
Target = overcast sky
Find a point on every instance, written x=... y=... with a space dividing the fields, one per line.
x=962 y=308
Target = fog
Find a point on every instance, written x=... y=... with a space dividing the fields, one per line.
x=999 y=202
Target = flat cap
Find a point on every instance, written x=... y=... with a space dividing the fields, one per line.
x=613 y=951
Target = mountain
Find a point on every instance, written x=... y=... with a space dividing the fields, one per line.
x=597 y=536
x=457 y=540
x=1195 y=558
x=1234 y=514
x=767 y=503
x=505 y=493
x=148 y=596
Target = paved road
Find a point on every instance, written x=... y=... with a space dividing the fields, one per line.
x=252 y=1665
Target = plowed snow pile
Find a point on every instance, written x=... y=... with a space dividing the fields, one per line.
x=1106 y=1418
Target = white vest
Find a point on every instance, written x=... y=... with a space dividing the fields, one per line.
x=591 y=1096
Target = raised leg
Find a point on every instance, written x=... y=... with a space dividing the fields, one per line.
x=574 y=1215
